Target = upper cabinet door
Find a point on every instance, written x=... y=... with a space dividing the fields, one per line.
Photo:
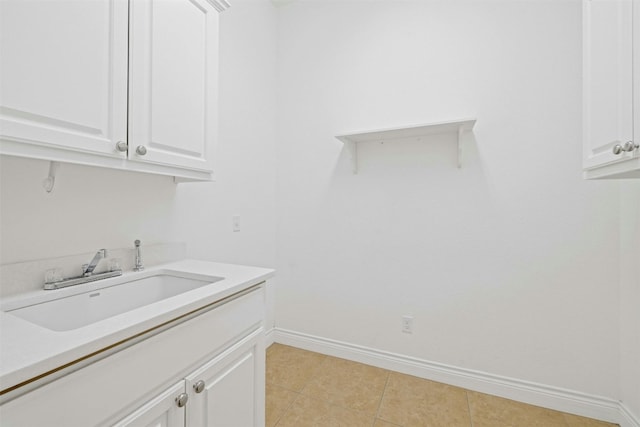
x=173 y=82
x=636 y=71
x=608 y=80
x=63 y=77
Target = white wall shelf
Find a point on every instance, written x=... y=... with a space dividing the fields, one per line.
x=351 y=140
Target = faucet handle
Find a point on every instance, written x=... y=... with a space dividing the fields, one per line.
x=137 y=243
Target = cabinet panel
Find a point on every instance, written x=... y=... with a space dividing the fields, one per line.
x=611 y=94
x=173 y=82
x=161 y=411
x=122 y=382
x=636 y=72
x=64 y=75
x=608 y=81
x=232 y=393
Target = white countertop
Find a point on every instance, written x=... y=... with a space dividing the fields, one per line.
x=28 y=350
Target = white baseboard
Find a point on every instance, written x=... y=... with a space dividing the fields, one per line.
x=269 y=337
x=627 y=418
x=556 y=398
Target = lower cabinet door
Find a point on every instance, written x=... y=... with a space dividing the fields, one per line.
x=161 y=411
x=228 y=391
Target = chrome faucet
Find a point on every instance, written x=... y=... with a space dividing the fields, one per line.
x=87 y=274
x=138 y=266
x=87 y=269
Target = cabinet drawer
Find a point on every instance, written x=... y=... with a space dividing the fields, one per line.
x=97 y=394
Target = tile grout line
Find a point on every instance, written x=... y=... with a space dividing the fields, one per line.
x=299 y=394
x=314 y=374
x=384 y=390
x=286 y=410
x=283 y=387
x=466 y=393
x=336 y=404
x=302 y=388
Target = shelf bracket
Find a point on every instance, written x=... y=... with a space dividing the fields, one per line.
x=50 y=181
x=460 y=131
x=352 y=149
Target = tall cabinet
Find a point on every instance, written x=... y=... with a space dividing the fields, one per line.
x=114 y=83
x=611 y=91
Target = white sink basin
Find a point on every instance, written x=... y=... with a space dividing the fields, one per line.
x=83 y=309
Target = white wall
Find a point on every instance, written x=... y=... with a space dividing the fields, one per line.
x=509 y=265
x=630 y=296
x=89 y=209
x=245 y=177
x=92 y=208
x=246 y=172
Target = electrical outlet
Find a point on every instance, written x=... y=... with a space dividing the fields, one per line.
x=236 y=222
x=407 y=324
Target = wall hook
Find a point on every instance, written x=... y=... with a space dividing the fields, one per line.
x=50 y=181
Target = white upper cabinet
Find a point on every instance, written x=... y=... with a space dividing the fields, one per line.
x=63 y=77
x=611 y=42
x=636 y=76
x=123 y=84
x=172 y=82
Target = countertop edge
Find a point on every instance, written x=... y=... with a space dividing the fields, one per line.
x=18 y=366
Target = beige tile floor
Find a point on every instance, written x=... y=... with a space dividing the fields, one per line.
x=311 y=389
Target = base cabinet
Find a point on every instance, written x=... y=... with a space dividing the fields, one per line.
x=228 y=391
x=205 y=371
x=225 y=392
x=163 y=411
